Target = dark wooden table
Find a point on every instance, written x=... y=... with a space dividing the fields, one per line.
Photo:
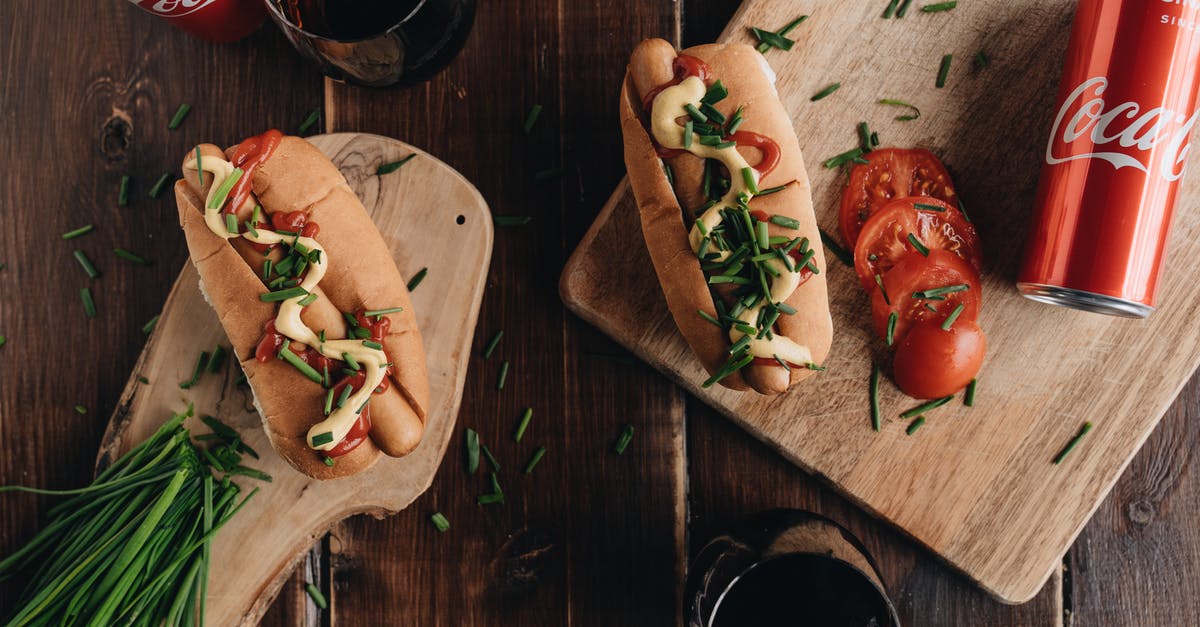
x=86 y=89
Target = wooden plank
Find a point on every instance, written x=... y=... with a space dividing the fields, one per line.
x=1136 y=562
x=84 y=110
x=1049 y=369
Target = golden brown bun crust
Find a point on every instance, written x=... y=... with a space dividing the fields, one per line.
x=684 y=285
x=361 y=275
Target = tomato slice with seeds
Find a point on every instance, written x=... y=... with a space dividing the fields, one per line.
x=936 y=225
x=890 y=173
x=916 y=273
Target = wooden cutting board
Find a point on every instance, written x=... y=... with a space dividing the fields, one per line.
x=431 y=217
x=976 y=486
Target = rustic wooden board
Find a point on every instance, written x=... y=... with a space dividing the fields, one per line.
x=975 y=486
x=418 y=210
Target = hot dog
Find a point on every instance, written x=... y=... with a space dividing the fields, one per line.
x=311 y=300
x=751 y=304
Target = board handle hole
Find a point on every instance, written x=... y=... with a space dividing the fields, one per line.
x=460 y=219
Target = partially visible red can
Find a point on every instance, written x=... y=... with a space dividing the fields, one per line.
x=219 y=21
x=1117 y=149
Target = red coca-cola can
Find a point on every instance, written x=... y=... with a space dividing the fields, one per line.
x=1118 y=147
x=219 y=21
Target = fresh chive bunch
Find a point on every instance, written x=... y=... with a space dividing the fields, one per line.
x=133 y=547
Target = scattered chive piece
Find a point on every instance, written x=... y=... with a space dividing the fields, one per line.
x=940 y=6
x=879 y=282
x=292 y=358
x=123 y=193
x=492 y=344
x=891 y=8
x=926 y=207
x=734 y=364
x=688 y=131
x=89 y=305
x=231 y=224
x=488 y=499
x=322 y=438
x=623 y=440
x=312 y=118
x=864 y=137
x=716 y=93
x=329 y=461
x=222 y=192
x=180 y=114
x=86 y=263
x=891 y=328
x=916 y=113
x=472 y=450
x=876 y=415
x=825 y=92
x=128 y=256
x=503 y=376
x=537 y=457
x=764 y=47
x=523 y=424
x=842 y=159
x=439 y=521
x=315 y=594
x=772 y=190
x=372 y=344
x=549 y=174
x=980 y=61
x=3 y=341
x=149 y=326
x=784 y=221
x=80 y=409
x=816 y=367
x=949 y=321
x=924 y=407
x=496 y=489
x=707 y=316
x=196 y=372
x=216 y=359
x=914 y=425
x=159 y=185
x=417 y=278
x=695 y=113
x=83 y=230
x=491 y=458
x=969 y=397
x=1087 y=426
x=307 y=300
x=944 y=70
x=329 y=402
x=531 y=118
x=388 y=168
x=772 y=39
x=344 y=396
x=274 y=297
x=941 y=291
x=748 y=179
x=380 y=312
x=903 y=8
x=839 y=252
x=511 y=220
x=143 y=380
x=921 y=248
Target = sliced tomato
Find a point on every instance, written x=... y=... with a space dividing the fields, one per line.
x=931 y=362
x=916 y=273
x=890 y=173
x=884 y=238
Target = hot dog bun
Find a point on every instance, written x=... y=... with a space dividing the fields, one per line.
x=361 y=275
x=663 y=208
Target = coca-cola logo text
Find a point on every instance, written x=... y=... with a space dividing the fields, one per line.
x=1123 y=135
x=176 y=8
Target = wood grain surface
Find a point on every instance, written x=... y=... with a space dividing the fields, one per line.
x=594 y=539
x=1004 y=515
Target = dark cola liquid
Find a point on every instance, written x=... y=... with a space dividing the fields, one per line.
x=378 y=42
x=801 y=590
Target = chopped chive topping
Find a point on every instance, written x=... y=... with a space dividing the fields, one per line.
x=511 y=220
x=372 y=344
x=149 y=326
x=916 y=243
x=533 y=461
x=903 y=8
x=927 y=207
x=322 y=438
x=817 y=367
x=388 y=168
x=707 y=316
x=345 y=395
x=891 y=328
x=231 y=224
x=491 y=459
x=941 y=291
x=944 y=69
x=842 y=159
x=772 y=39
x=381 y=312
x=765 y=46
x=924 y=407
x=157 y=189
x=736 y=280
x=689 y=129
x=292 y=358
x=825 y=92
x=492 y=344
x=839 y=252
x=351 y=361
x=80 y=409
x=439 y=521
x=1087 y=426
x=329 y=461
x=969 y=397
x=914 y=425
x=500 y=379
x=772 y=190
x=128 y=256
x=83 y=230
x=695 y=113
x=549 y=174
x=222 y=191
x=623 y=440
x=949 y=321
x=916 y=113
x=891 y=8
x=329 y=401
x=749 y=179
x=274 y=297
x=873 y=390
x=308 y=122
x=879 y=282
x=980 y=61
x=523 y=424
x=735 y=363
x=86 y=263
x=488 y=499
x=471 y=443
x=89 y=305
x=123 y=192
x=784 y=221
x=216 y=359
x=180 y=114
x=940 y=6
x=716 y=93
x=417 y=278
x=531 y=118
x=308 y=300
x=196 y=372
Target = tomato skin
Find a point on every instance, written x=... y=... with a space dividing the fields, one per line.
x=890 y=173
x=915 y=273
x=884 y=237
x=932 y=363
